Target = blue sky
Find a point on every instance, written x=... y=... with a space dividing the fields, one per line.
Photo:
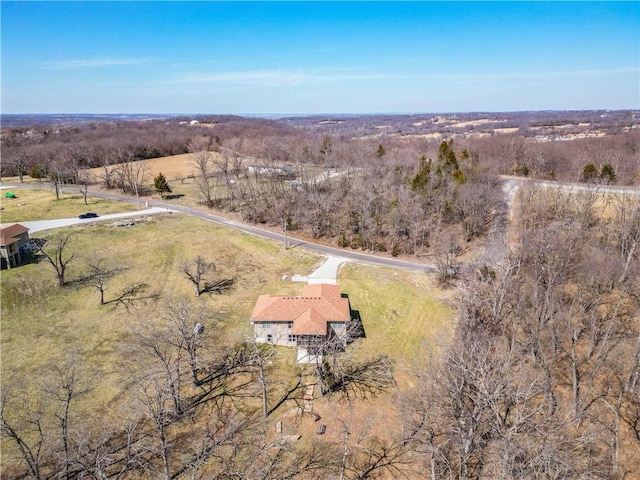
x=326 y=57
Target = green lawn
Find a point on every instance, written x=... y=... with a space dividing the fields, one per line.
x=402 y=312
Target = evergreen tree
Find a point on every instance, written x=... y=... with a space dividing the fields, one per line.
x=419 y=182
x=589 y=172
x=447 y=157
x=608 y=173
x=161 y=185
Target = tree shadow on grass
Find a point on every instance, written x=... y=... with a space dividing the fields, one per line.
x=223 y=286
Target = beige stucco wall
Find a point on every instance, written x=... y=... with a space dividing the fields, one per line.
x=279 y=332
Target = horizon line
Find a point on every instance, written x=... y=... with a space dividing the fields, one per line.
x=313 y=114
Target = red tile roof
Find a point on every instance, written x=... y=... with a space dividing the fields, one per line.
x=310 y=322
x=8 y=234
x=321 y=290
x=309 y=313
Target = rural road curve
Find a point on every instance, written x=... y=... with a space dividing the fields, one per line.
x=249 y=229
x=510 y=187
x=296 y=243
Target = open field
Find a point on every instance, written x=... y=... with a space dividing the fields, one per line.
x=172 y=167
x=43 y=323
x=42 y=205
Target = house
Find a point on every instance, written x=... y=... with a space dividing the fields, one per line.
x=313 y=322
x=14 y=242
x=284 y=171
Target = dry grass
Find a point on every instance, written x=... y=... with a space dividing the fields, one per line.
x=42 y=323
x=172 y=167
x=42 y=205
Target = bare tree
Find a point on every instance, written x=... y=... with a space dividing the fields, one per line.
x=138 y=177
x=199 y=148
x=22 y=423
x=261 y=355
x=154 y=399
x=99 y=275
x=166 y=368
x=448 y=251
x=189 y=323
x=84 y=190
x=57 y=257
x=195 y=272
x=66 y=385
x=18 y=158
x=628 y=233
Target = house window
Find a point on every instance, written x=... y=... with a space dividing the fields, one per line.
x=266 y=324
x=290 y=325
x=337 y=325
x=292 y=338
x=269 y=338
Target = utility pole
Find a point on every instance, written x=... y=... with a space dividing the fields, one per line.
x=284 y=229
x=135 y=184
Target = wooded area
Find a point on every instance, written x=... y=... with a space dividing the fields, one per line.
x=394 y=192
x=540 y=380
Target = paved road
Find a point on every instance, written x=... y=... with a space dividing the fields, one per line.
x=252 y=230
x=497 y=241
x=296 y=243
x=584 y=187
x=40 y=225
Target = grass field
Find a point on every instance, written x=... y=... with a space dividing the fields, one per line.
x=172 y=167
x=42 y=323
x=32 y=204
x=402 y=313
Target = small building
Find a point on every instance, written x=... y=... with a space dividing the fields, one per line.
x=14 y=243
x=313 y=322
x=286 y=171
